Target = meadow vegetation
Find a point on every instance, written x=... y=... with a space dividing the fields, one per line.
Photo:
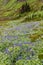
x=21 y=32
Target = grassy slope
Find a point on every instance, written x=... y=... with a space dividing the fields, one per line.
x=9 y=9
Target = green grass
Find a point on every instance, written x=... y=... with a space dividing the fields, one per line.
x=10 y=54
x=11 y=9
x=21 y=38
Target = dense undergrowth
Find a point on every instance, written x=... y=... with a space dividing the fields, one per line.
x=21 y=32
x=21 y=43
